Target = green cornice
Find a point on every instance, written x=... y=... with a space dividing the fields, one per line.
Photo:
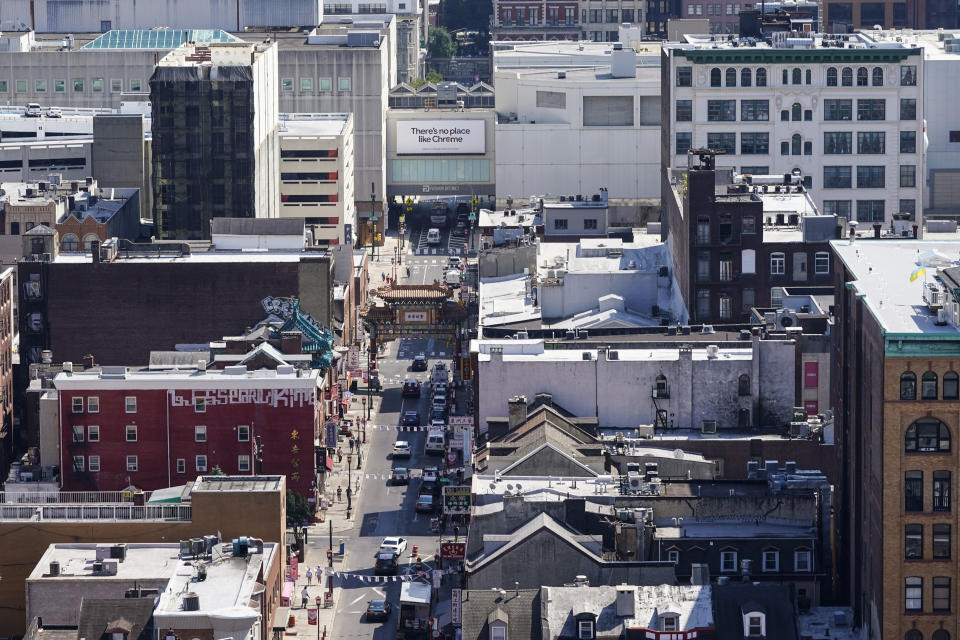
x=903 y=345
x=749 y=55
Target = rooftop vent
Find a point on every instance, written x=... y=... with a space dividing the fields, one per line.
x=191 y=602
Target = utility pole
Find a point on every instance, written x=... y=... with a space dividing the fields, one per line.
x=349 y=486
x=373 y=220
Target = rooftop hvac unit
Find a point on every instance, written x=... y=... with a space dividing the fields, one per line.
x=708 y=426
x=941 y=317
x=634 y=481
x=587 y=355
x=645 y=431
x=713 y=351
x=932 y=295
x=191 y=602
x=613 y=355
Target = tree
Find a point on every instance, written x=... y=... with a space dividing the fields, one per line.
x=467 y=14
x=434 y=77
x=217 y=471
x=441 y=45
x=299 y=511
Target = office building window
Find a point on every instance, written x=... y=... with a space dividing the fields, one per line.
x=846 y=77
x=684 y=141
x=721 y=110
x=870 y=210
x=306 y=84
x=950 y=384
x=731 y=77
x=908 y=175
x=684 y=76
x=4 y=86
x=755 y=143
x=560 y=224
x=908 y=75
x=941 y=593
x=796 y=112
x=684 y=110
x=913 y=594
x=831 y=76
x=796 y=76
x=343 y=84
x=913 y=542
x=286 y=85
x=761 y=77
x=745 y=74
x=715 y=77
x=59 y=86
x=40 y=86
x=871 y=177
x=837 y=177
x=941 y=491
x=871 y=142
x=941 y=541
x=913 y=490
x=116 y=85
x=837 y=142
x=326 y=84
x=838 y=109
x=861 y=76
x=871 y=109
x=755 y=110
x=876 y=77
x=837 y=207
x=908 y=386
x=725 y=141
x=908 y=142
x=136 y=85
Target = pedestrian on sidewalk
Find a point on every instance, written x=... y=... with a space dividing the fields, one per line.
x=383 y=277
x=304 y=597
x=339 y=454
x=351 y=444
x=339 y=494
x=309 y=576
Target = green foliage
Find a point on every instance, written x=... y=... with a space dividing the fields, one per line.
x=298 y=512
x=217 y=471
x=467 y=14
x=416 y=83
x=441 y=44
x=434 y=77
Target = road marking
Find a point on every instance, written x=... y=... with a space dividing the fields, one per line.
x=357 y=599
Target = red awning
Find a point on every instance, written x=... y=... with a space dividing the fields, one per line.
x=328 y=460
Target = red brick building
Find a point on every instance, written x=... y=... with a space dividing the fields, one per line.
x=526 y=20
x=153 y=429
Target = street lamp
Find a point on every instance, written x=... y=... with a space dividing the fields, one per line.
x=349 y=486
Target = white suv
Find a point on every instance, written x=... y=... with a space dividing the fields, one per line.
x=33 y=110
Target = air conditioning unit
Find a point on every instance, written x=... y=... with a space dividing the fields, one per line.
x=932 y=295
x=202 y=468
x=634 y=481
x=645 y=431
x=587 y=355
x=613 y=355
x=708 y=426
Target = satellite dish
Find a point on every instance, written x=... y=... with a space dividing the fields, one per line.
x=518 y=486
x=509 y=487
x=493 y=485
x=678 y=454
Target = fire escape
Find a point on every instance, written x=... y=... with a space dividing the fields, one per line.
x=660 y=391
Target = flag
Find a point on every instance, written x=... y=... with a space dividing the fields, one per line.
x=919 y=271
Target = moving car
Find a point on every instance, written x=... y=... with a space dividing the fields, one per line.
x=430 y=474
x=54 y=112
x=388 y=562
x=400 y=475
x=425 y=503
x=379 y=610
x=410 y=419
x=452 y=278
x=438 y=414
x=433 y=236
x=460 y=229
x=33 y=110
x=438 y=214
x=419 y=363
x=394 y=543
x=454 y=262
x=401 y=449
x=411 y=389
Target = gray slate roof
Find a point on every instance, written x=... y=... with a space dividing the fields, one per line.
x=522 y=609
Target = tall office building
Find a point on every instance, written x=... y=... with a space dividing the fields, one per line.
x=214 y=136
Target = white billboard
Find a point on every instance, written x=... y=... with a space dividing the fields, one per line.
x=420 y=137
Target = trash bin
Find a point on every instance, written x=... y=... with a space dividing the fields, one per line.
x=341 y=546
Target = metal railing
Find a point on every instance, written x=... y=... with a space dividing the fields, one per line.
x=117 y=512
x=68 y=497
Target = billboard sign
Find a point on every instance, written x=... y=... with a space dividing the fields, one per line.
x=429 y=137
x=456 y=500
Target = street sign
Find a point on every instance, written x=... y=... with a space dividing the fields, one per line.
x=408 y=201
x=437 y=576
x=456 y=500
x=331 y=429
x=353 y=357
x=455 y=614
x=461 y=420
x=453 y=550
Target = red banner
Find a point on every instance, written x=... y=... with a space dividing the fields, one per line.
x=453 y=550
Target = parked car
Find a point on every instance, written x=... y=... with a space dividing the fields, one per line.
x=394 y=543
x=463 y=208
x=54 y=112
x=411 y=389
x=400 y=475
x=388 y=562
x=33 y=110
x=438 y=414
x=379 y=610
x=425 y=503
x=454 y=262
x=419 y=363
x=401 y=449
x=431 y=474
x=410 y=419
x=460 y=229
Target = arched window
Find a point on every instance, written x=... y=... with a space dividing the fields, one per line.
x=796 y=76
x=877 y=77
x=745 y=80
x=808 y=76
x=861 y=76
x=743 y=385
x=908 y=386
x=846 y=77
x=761 y=77
x=786 y=76
x=796 y=112
x=715 y=77
x=940 y=634
x=928 y=386
x=913 y=634
x=662 y=389
x=927 y=435
x=951 y=386
x=71 y=243
x=795 y=144
x=832 y=77
x=88 y=241
x=731 y=77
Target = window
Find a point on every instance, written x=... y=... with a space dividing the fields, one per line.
x=807 y=150
x=590 y=223
x=743 y=385
x=326 y=84
x=870 y=177
x=560 y=224
x=306 y=84
x=754 y=626
x=200 y=433
x=755 y=110
x=908 y=142
x=870 y=210
x=745 y=79
x=913 y=542
x=908 y=386
x=498 y=632
x=97 y=85
x=201 y=463
x=684 y=76
x=795 y=144
x=755 y=144
x=877 y=77
x=941 y=542
x=40 y=86
x=132 y=463
x=4 y=87
x=93 y=404
x=613 y=15
x=771 y=561
x=821 y=263
x=761 y=77
x=808 y=76
x=78 y=463
x=908 y=175
x=871 y=142
x=703 y=303
x=749 y=223
x=837 y=207
x=243 y=463
x=796 y=112
x=796 y=76
x=840 y=109
x=608 y=111
x=585 y=629
x=343 y=84
x=116 y=86
x=93 y=433
x=243 y=433
x=831 y=76
x=94 y=463
x=78 y=85
x=200 y=404
x=909 y=206
x=726 y=306
x=181 y=465
x=715 y=77
x=77 y=404
x=846 y=77
x=941 y=491
x=837 y=142
x=950 y=385
x=872 y=109
x=955 y=136
x=927 y=435
x=778 y=263
x=802 y=561
x=861 y=76
x=941 y=593
x=21 y=86
x=130 y=404
x=728 y=561
x=135 y=85
x=684 y=141
x=673 y=556
x=725 y=141
x=913 y=594
x=908 y=75
x=670 y=621
x=913 y=490
x=684 y=110
x=131 y=433
x=703 y=230
x=785 y=115
x=286 y=85
x=721 y=110
x=731 y=77
x=837 y=177
x=78 y=433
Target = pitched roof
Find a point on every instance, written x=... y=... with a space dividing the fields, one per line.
x=731 y=601
x=540 y=522
x=521 y=609
x=98 y=617
x=549 y=448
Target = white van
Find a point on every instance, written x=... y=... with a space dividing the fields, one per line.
x=433 y=236
x=435 y=443
x=452 y=278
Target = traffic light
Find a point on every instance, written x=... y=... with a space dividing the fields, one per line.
x=379 y=237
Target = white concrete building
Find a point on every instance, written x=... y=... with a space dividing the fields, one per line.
x=847 y=112
x=316 y=174
x=576 y=126
x=704 y=388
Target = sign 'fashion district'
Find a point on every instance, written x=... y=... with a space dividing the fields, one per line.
x=289 y=398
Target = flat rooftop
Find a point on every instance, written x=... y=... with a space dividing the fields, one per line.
x=532 y=350
x=213 y=54
x=646 y=75
x=931 y=40
x=230 y=377
x=733 y=528
x=564 y=53
x=881 y=271
x=313 y=124
x=861 y=42
x=242 y=484
x=197 y=257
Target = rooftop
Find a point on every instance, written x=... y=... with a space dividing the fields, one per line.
x=157 y=38
x=313 y=124
x=562 y=53
x=532 y=350
x=788 y=46
x=213 y=54
x=235 y=377
x=244 y=484
x=935 y=42
x=733 y=528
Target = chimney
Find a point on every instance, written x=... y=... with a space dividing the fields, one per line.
x=853 y=231
x=626 y=598
x=700 y=573
x=745 y=567
x=876 y=230
x=516 y=412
